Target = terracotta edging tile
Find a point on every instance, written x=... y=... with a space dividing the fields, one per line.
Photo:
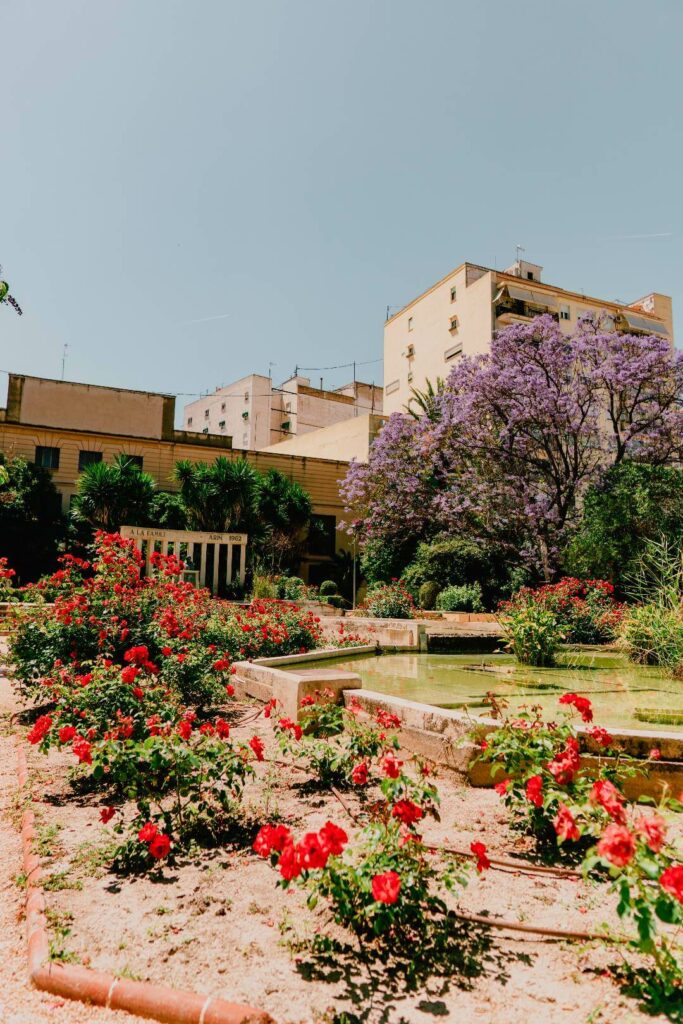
x=158 y=1002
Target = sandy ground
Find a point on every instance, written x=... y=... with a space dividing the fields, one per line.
x=20 y=1003
x=217 y=923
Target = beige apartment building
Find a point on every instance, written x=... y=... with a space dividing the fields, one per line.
x=256 y=414
x=65 y=426
x=459 y=315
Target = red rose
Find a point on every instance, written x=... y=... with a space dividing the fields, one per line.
x=534 y=790
x=501 y=788
x=386 y=887
x=167 y=651
x=407 y=812
x=333 y=838
x=653 y=830
x=138 y=693
x=257 y=746
x=479 y=851
x=564 y=824
x=312 y=852
x=565 y=764
x=271 y=838
x=617 y=845
x=222 y=728
x=655 y=754
x=40 y=729
x=609 y=797
x=184 y=729
x=289 y=865
x=359 y=775
x=148 y=832
x=391 y=766
x=67 y=733
x=129 y=673
x=230 y=690
x=671 y=881
x=136 y=655
x=106 y=814
x=601 y=736
x=582 y=705
x=159 y=846
x=82 y=750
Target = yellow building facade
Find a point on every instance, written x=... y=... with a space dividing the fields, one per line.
x=65 y=426
x=460 y=313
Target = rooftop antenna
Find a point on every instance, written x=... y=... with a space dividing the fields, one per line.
x=518 y=249
x=65 y=352
x=270 y=370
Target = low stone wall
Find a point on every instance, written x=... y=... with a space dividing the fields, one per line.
x=265 y=680
x=408 y=634
x=441 y=734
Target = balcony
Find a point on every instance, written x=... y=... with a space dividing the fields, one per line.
x=517 y=312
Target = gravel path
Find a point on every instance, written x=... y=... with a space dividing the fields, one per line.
x=20 y=1003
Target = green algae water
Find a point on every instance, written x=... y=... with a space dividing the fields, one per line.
x=623 y=695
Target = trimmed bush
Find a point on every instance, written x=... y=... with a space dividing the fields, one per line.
x=466 y=598
x=427 y=594
x=327 y=588
x=392 y=601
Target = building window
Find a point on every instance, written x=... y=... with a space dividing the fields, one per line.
x=410 y=351
x=189 y=421
x=133 y=460
x=288 y=406
x=451 y=353
x=246 y=396
x=453 y=293
x=46 y=457
x=222 y=406
x=453 y=324
x=221 y=424
x=88 y=459
x=394 y=386
x=205 y=430
x=206 y=414
x=322 y=535
x=529 y=275
x=565 y=313
x=410 y=323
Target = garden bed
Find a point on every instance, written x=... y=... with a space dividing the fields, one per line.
x=216 y=922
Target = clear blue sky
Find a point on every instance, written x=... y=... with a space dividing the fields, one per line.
x=299 y=165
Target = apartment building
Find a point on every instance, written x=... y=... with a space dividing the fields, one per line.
x=459 y=315
x=256 y=414
x=66 y=426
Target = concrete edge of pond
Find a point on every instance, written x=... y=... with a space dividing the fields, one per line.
x=443 y=734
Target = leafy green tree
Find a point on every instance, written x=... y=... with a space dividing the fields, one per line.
x=632 y=504
x=426 y=403
x=31 y=521
x=219 y=496
x=284 y=509
x=109 y=496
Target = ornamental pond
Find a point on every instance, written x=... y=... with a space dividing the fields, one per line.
x=623 y=695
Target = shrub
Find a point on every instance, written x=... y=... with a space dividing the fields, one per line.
x=531 y=631
x=427 y=594
x=585 y=610
x=541 y=770
x=327 y=588
x=290 y=588
x=652 y=634
x=466 y=598
x=391 y=601
x=263 y=587
x=337 y=601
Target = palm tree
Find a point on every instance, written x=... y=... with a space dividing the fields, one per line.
x=426 y=401
x=284 y=509
x=218 y=497
x=110 y=496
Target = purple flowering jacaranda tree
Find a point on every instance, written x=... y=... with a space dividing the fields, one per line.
x=520 y=433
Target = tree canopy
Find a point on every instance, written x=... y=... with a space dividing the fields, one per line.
x=517 y=437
